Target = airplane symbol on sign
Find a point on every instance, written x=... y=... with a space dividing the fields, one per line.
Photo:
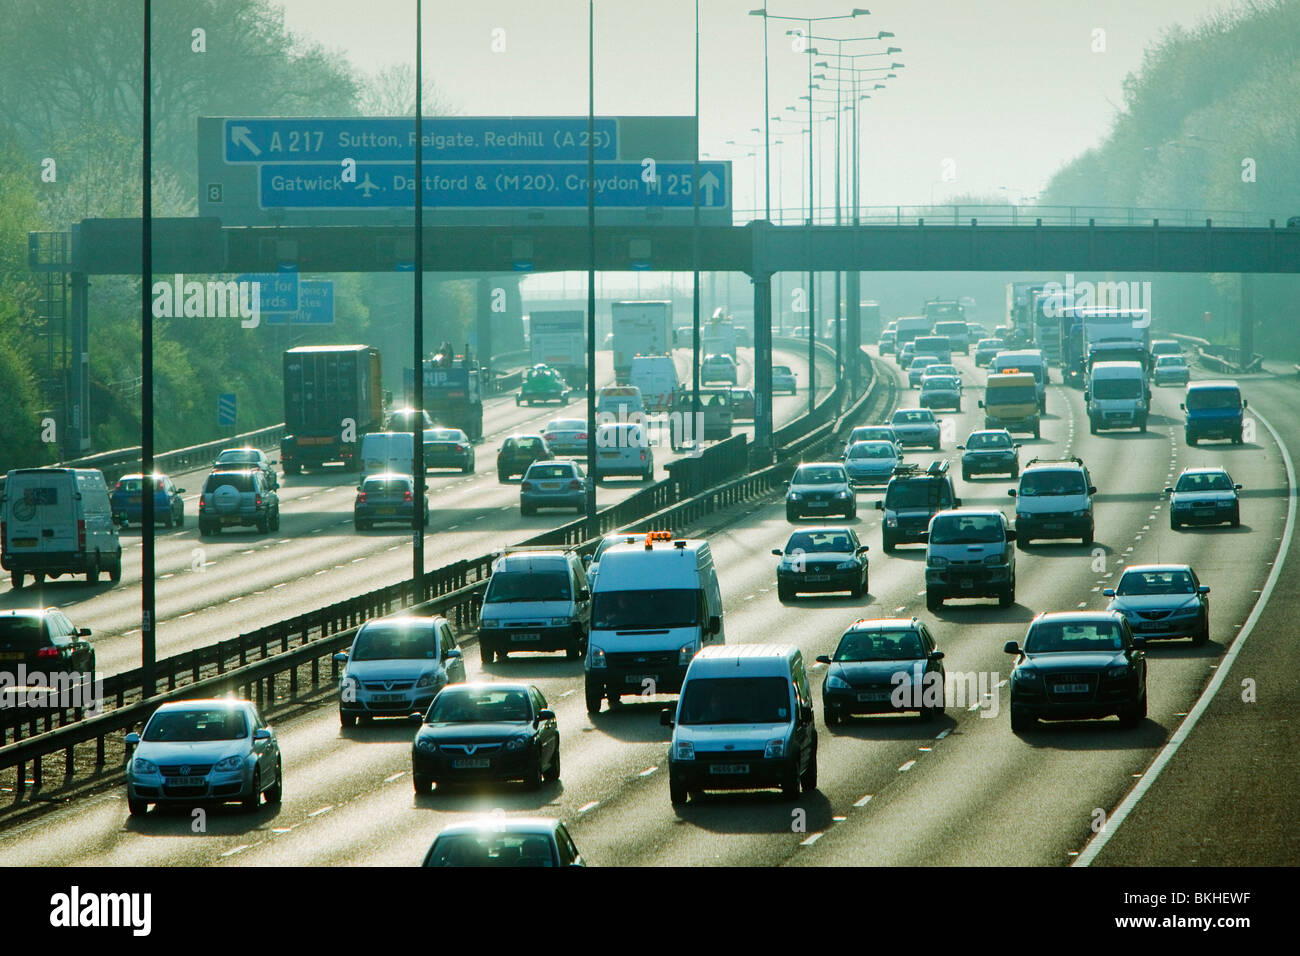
x=366 y=186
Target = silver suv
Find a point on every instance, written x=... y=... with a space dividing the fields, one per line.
x=969 y=553
x=238 y=498
x=1054 y=500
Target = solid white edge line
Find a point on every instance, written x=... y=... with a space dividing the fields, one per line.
x=1098 y=842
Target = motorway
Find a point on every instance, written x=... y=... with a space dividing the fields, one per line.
x=892 y=791
x=215 y=588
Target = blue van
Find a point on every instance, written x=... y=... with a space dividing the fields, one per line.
x=1213 y=410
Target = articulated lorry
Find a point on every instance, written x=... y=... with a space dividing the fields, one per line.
x=558 y=338
x=640 y=328
x=452 y=392
x=333 y=395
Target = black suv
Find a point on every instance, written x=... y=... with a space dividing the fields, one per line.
x=518 y=452
x=44 y=642
x=238 y=498
x=912 y=498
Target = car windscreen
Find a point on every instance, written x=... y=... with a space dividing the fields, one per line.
x=457 y=705
x=238 y=457
x=994 y=440
x=446 y=434
x=1013 y=395
x=394 y=642
x=1066 y=637
x=645 y=610
x=523 y=444
x=921 y=361
x=1199 y=399
x=913 y=417
x=492 y=849
x=513 y=586
x=386 y=486
x=938 y=383
x=1036 y=483
x=967 y=529
x=241 y=481
x=736 y=700
x=884 y=646
x=566 y=425
x=22 y=633
x=985 y=345
x=836 y=542
x=217 y=723
x=917 y=493
x=549 y=471
x=814 y=475
x=1170 y=361
x=1113 y=388
x=871 y=433
x=1204 y=481
x=1155 y=582
x=780 y=370
x=872 y=450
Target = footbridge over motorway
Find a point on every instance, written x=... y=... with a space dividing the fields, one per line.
x=203 y=246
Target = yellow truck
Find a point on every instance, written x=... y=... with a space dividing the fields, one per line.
x=1011 y=401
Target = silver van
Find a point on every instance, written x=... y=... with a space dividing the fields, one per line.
x=59 y=521
x=535 y=601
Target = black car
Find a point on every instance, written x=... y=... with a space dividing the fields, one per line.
x=486 y=731
x=822 y=559
x=386 y=497
x=1078 y=665
x=239 y=459
x=861 y=676
x=504 y=841
x=53 y=655
x=448 y=448
x=518 y=452
x=990 y=451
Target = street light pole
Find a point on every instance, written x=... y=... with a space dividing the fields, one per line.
x=593 y=527
x=417 y=335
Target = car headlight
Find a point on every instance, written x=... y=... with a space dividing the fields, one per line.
x=1188 y=611
x=1081 y=513
x=936 y=561
x=891 y=522
x=795 y=496
x=774 y=750
x=1022 y=516
x=140 y=765
x=426 y=745
x=518 y=743
x=846 y=566
x=1026 y=677
x=559 y=621
x=427 y=680
x=844 y=494
x=227 y=764
x=1116 y=672
x=595 y=656
x=993 y=560
x=685 y=653
x=490 y=622
x=685 y=750
x=835 y=682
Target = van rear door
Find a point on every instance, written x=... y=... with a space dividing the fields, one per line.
x=42 y=512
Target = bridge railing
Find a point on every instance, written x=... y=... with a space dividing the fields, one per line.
x=1009 y=214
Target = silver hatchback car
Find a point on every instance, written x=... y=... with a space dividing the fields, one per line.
x=204 y=751
x=553 y=484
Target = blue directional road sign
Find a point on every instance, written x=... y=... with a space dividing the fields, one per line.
x=315 y=305
x=278 y=290
x=490 y=186
x=226 y=409
x=392 y=139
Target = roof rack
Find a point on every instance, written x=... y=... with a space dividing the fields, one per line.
x=938 y=467
x=1075 y=460
x=906 y=468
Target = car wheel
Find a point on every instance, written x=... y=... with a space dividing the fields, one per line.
x=791 y=514
x=1202 y=635
x=92 y=574
x=1092 y=426
x=1022 y=541
x=1088 y=538
x=501 y=476
x=965 y=475
x=926 y=714
x=595 y=694
x=574 y=649
x=808 y=782
x=533 y=779
x=423 y=785
x=933 y=600
x=250 y=803
x=676 y=791
x=1174 y=523
x=275 y=520
x=167 y=522
x=275 y=792
x=467 y=469
x=1037 y=430
x=1143 y=427
x=360 y=525
x=858 y=589
x=1008 y=595
x=831 y=716
x=851 y=514
x=935 y=446
x=1021 y=723
x=486 y=653
x=1133 y=714
x=180 y=519
x=1236 y=439
x=1015 y=473
x=526 y=511
x=1192 y=441
x=959 y=407
x=790 y=785
x=263 y=525
x=115 y=569
x=1236 y=518
x=887 y=542
x=784 y=592
x=138 y=808
x=552 y=773
x=347 y=720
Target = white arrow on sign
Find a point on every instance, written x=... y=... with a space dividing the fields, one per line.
x=239 y=136
x=708 y=183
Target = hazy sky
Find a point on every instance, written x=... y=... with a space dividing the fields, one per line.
x=1007 y=90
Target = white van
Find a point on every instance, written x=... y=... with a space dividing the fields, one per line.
x=654 y=605
x=619 y=403
x=387 y=452
x=59 y=521
x=1117 y=396
x=656 y=377
x=744 y=721
x=1025 y=360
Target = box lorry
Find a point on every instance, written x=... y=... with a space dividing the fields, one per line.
x=558 y=338
x=640 y=328
x=333 y=394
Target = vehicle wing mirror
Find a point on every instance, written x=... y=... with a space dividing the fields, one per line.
x=341 y=657
x=823 y=658
x=1011 y=492
x=586 y=560
x=180 y=491
x=961 y=447
x=1236 y=487
x=1203 y=589
x=545 y=715
x=83 y=632
x=981 y=403
x=805 y=713
x=924 y=536
x=1169 y=491
x=778 y=552
x=864 y=549
x=956 y=502
x=452 y=654
x=1182 y=406
x=715 y=624
x=1011 y=647
x=1092 y=489
x=1011 y=534
x=666 y=717
x=584 y=594
x=1087 y=397
x=936 y=655
x=1244 y=403
x=880 y=506
x=261 y=733
x=1139 y=643
x=132 y=740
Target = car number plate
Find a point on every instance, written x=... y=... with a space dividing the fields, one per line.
x=819 y=504
x=550 y=485
x=24 y=542
x=729 y=768
x=873 y=696
x=133 y=500
x=609 y=454
x=186 y=781
x=12 y=655
x=1156 y=627
x=1202 y=512
x=525 y=637
x=817 y=578
x=388 y=698
x=1054 y=526
x=472 y=763
x=640 y=678
x=387 y=511
x=967 y=583
x=1071 y=688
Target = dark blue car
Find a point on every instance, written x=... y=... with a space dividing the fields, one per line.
x=127 y=501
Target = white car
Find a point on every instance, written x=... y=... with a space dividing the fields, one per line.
x=623 y=449
x=783 y=380
x=939 y=369
x=718 y=368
